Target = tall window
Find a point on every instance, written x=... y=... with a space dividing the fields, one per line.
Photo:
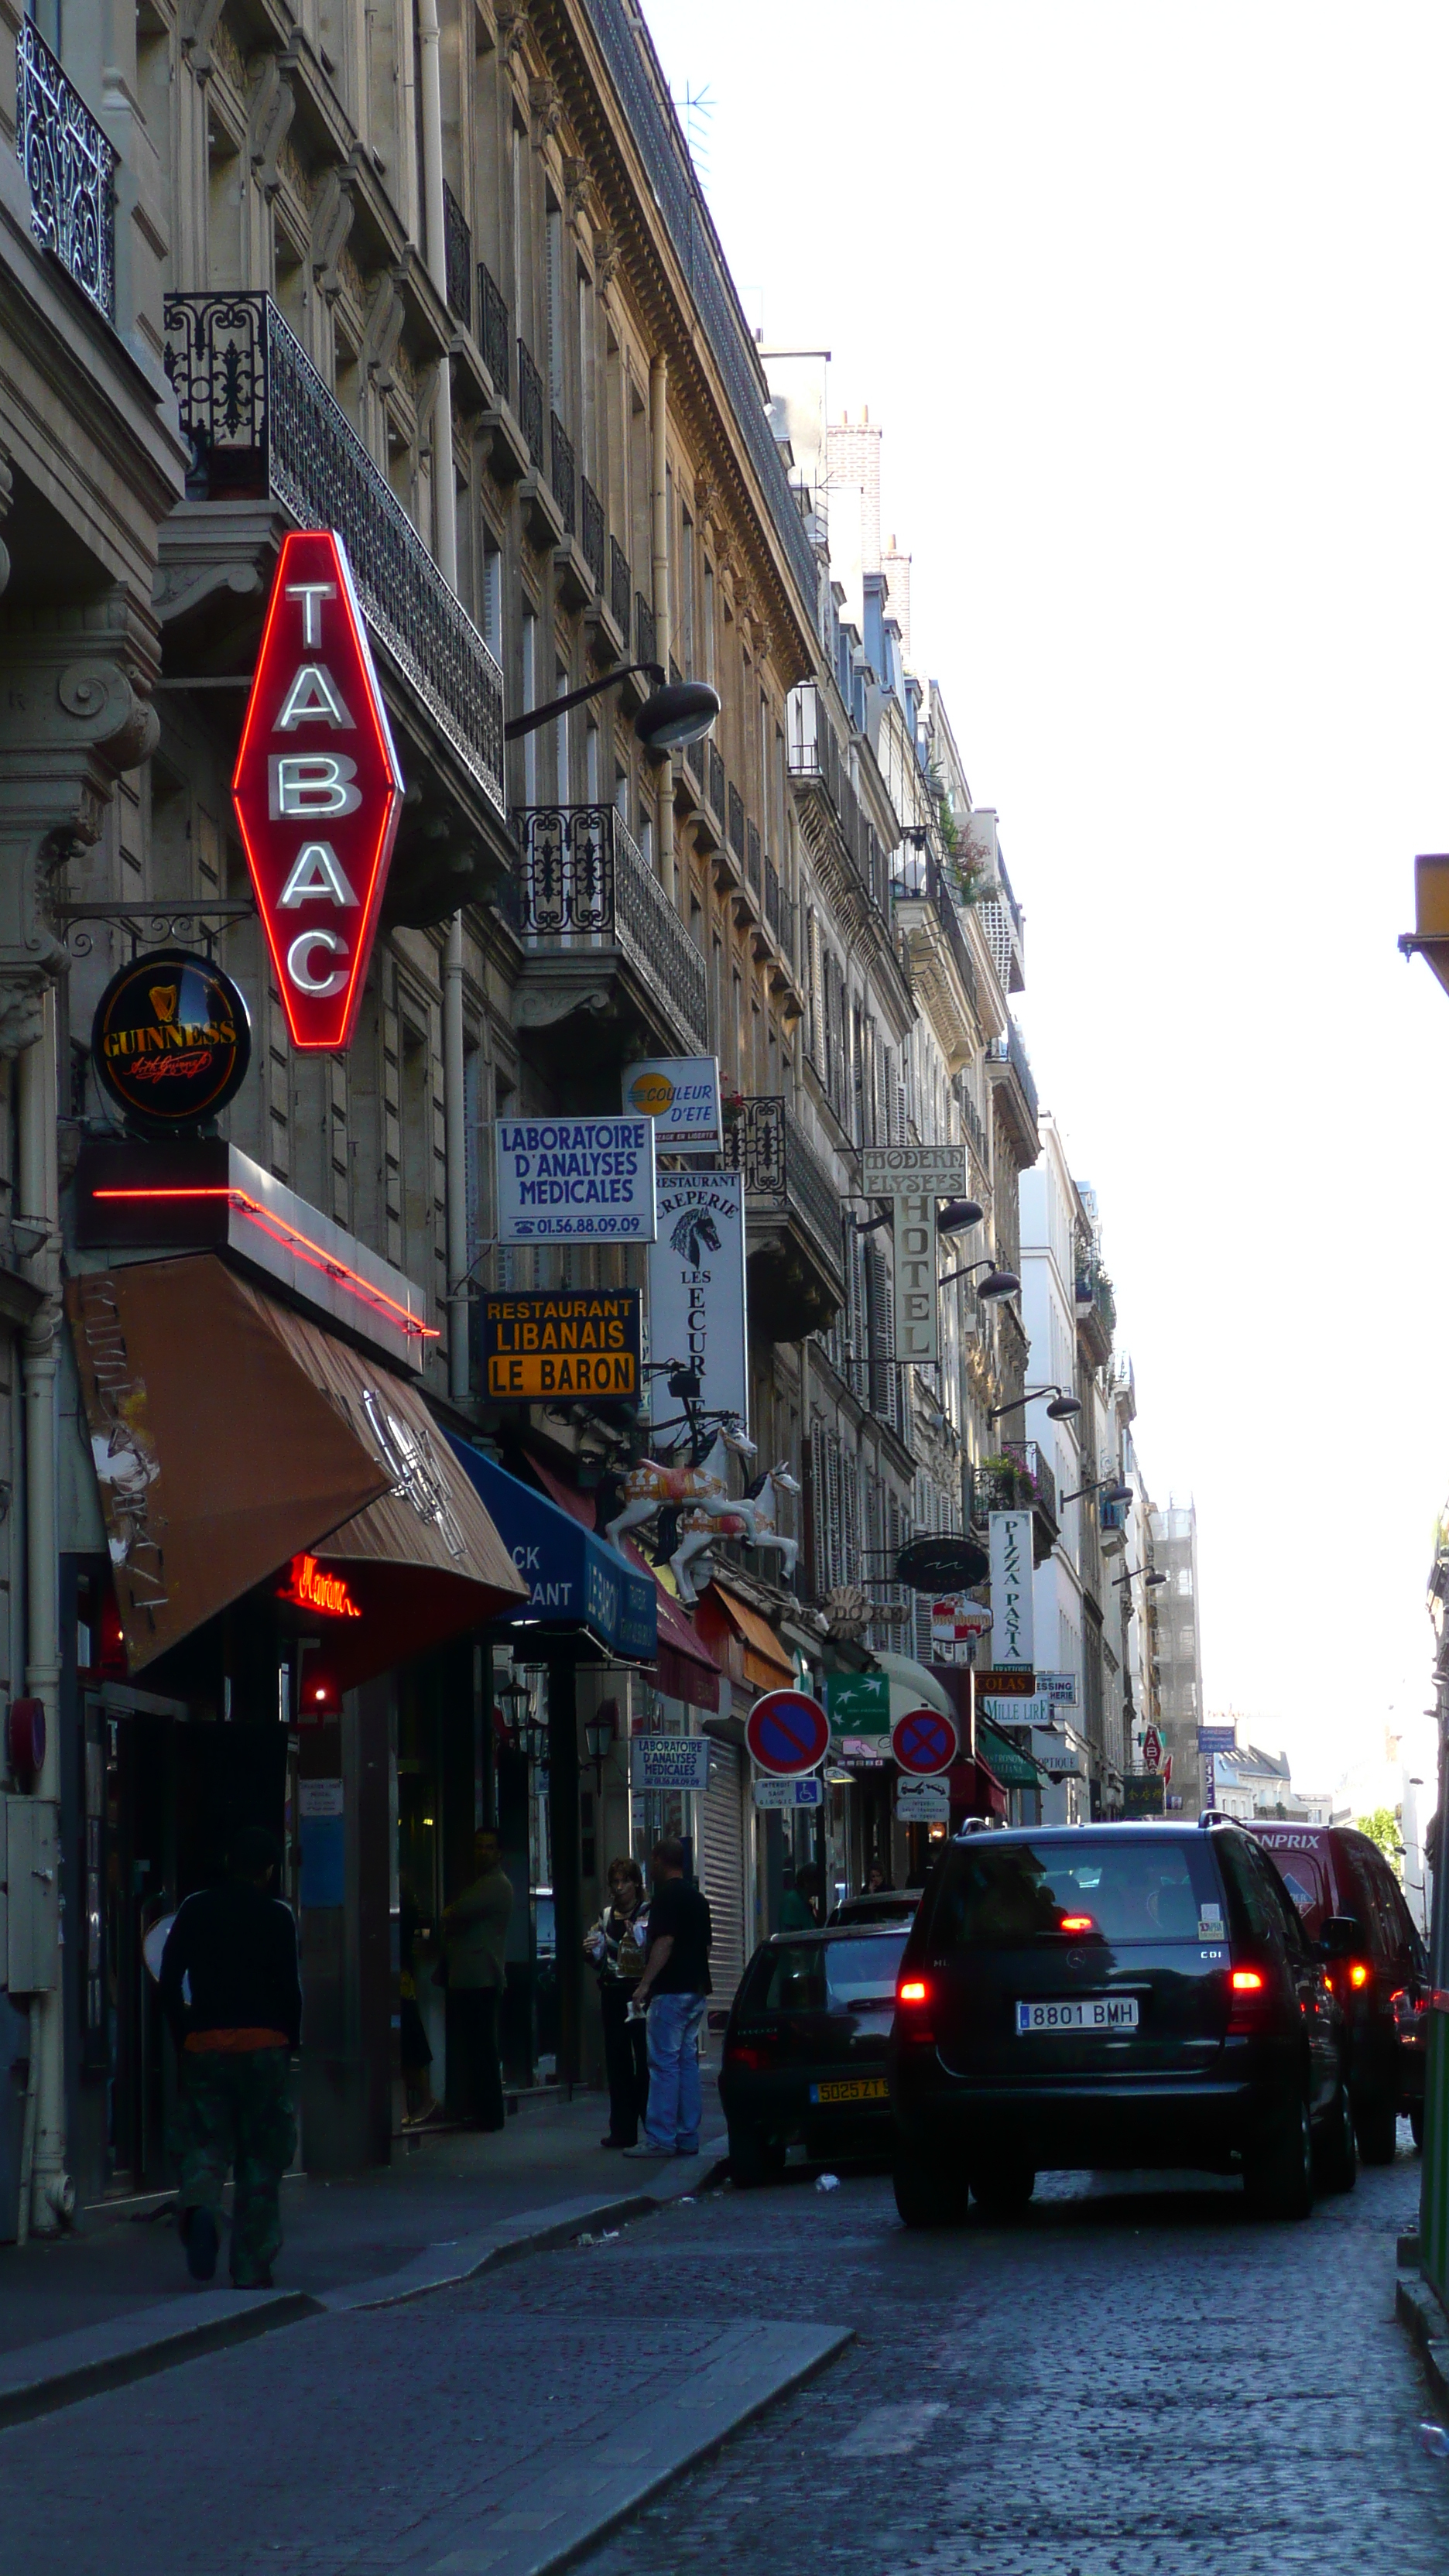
x=555 y=309
x=530 y=700
x=685 y=654
x=516 y=147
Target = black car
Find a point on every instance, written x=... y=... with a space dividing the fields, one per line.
x=885 y=1905
x=1349 y=1901
x=1127 y=1995
x=805 y=2048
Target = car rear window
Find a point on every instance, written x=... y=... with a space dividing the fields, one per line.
x=826 y=1976
x=1306 y=1880
x=1001 y=1896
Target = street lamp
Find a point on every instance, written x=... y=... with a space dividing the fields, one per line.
x=1150 y=1581
x=1111 y=1490
x=953 y=1218
x=599 y=1736
x=674 y=713
x=1063 y=1407
x=997 y=1283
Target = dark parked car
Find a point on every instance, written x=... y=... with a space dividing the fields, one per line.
x=805 y=2048
x=1350 y=1902
x=885 y=1905
x=1113 y=1995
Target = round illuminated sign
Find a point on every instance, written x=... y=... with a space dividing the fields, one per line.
x=171 y=1039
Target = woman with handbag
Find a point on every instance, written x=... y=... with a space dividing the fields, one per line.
x=616 y=1945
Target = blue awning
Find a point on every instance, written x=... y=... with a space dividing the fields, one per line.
x=575 y=1580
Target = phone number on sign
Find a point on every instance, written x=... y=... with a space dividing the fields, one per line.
x=554 y=1229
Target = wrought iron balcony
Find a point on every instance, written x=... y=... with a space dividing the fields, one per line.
x=772 y=897
x=753 y=863
x=1096 y=1311
x=816 y=760
x=530 y=404
x=591 y=533
x=737 y=822
x=619 y=587
x=1011 y=1051
x=646 y=634
x=70 y=170
x=1018 y=1479
x=717 y=780
x=929 y=921
x=795 y=1288
x=261 y=423
x=561 y=473
x=493 y=331
x=457 y=259
x=583 y=885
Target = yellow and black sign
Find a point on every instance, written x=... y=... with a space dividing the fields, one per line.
x=540 y=1344
x=171 y=1040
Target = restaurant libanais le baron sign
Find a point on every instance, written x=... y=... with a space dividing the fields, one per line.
x=544 y=1342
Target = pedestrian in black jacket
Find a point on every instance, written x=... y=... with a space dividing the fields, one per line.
x=232 y=1995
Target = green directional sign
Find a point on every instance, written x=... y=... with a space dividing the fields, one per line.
x=858 y=1703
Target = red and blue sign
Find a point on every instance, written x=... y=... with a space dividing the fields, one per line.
x=924 y=1742
x=788 y=1733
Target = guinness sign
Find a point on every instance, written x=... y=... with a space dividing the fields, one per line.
x=171 y=1040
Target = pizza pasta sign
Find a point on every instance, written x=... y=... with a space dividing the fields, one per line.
x=317 y=790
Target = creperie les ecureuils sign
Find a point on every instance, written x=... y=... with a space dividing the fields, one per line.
x=317 y=789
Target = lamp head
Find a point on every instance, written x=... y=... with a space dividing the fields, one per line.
x=1064 y=1408
x=680 y=712
x=957 y=1214
x=1118 y=1493
x=997 y=1284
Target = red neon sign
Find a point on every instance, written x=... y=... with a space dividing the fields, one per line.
x=314 y=1587
x=317 y=789
x=301 y=1246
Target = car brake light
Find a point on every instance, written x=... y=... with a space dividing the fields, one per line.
x=757 y=2051
x=1248 y=2001
x=1077 y=1923
x=1247 y=1981
x=1358 y=1973
x=914 y=1991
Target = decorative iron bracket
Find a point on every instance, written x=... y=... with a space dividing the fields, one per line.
x=149 y=924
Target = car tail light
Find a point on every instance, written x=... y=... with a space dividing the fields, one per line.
x=1359 y=1974
x=758 y=2051
x=1409 y=2010
x=1077 y=1923
x=1248 y=2001
x=913 y=1995
x=913 y=1990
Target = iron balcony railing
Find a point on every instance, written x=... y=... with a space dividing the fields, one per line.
x=591 y=533
x=530 y=405
x=753 y=865
x=815 y=757
x=717 y=780
x=561 y=473
x=1035 y=1473
x=70 y=170
x=583 y=883
x=259 y=420
x=694 y=759
x=646 y=633
x=619 y=587
x=782 y=1170
x=457 y=259
x=923 y=879
x=1011 y=1050
x=493 y=331
x=660 y=142
x=737 y=822
x=772 y=897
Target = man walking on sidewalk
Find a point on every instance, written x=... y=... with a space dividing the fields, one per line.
x=675 y=1986
x=237 y=1944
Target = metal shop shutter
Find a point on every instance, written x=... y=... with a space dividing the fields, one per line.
x=722 y=1870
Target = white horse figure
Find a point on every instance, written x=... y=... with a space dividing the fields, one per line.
x=732 y=1520
x=652 y=1485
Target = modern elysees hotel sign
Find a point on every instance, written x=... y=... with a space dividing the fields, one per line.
x=317 y=790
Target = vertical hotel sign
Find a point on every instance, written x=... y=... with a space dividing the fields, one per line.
x=913 y=1178
x=317 y=790
x=1012 y=1639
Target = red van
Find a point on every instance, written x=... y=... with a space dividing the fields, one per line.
x=1353 y=1907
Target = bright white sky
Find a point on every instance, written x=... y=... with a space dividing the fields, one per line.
x=1150 y=301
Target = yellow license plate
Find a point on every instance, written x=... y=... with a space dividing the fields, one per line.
x=851 y=2088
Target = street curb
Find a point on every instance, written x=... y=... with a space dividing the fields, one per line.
x=1416 y=2307
x=40 y=2378
x=94 y=2358
x=510 y=2543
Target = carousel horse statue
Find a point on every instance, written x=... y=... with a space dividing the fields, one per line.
x=655 y=1485
x=752 y=1519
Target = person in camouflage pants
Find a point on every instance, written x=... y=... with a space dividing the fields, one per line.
x=232 y=1995
x=236 y=2111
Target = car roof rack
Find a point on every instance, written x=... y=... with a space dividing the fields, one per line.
x=973 y=1825
x=1215 y=1816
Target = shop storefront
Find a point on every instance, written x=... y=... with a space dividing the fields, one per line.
x=264 y=1531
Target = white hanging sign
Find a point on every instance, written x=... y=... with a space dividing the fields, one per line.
x=669 y=1762
x=697 y=1289
x=575 y=1180
x=681 y=1094
x=1011 y=1621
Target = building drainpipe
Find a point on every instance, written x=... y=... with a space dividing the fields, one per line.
x=659 y=547
x=445 y=522
x=52 y=2194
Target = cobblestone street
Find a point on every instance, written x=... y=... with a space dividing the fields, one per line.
x=1134 y=2380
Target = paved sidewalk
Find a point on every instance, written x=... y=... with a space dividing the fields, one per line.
x=440 y=2192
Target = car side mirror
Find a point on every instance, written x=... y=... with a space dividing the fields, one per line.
x=1339 y=1935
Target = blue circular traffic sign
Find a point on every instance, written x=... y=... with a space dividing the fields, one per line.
x=924 y=1742
x=787 y=1732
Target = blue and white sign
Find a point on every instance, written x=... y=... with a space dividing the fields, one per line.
x=575 y=1180
x=664 y=1762
x=575 y=1580
x=789 y=1793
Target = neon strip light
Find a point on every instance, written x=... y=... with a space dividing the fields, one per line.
x=278 y=1231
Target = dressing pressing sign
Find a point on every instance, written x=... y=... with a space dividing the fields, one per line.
x=544 y=1342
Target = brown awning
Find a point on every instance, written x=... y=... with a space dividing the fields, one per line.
x=230 y=1435
x=743 y=1640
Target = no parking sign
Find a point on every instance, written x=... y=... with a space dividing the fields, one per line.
x=924 y=1742
x=787 y=1732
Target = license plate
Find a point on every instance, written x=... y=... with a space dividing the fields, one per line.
x=851 y=2088
x=1094 y=2013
